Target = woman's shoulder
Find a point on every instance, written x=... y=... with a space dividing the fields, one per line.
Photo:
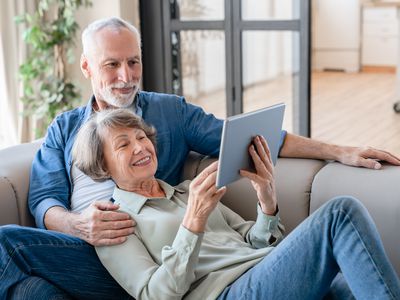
x=183 y=187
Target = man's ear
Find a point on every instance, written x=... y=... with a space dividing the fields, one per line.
x=85 y=66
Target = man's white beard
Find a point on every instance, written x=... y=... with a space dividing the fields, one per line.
x=119 y=100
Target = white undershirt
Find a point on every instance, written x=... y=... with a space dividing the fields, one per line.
x=85 y=190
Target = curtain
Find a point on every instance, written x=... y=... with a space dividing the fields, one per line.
x=14 y=126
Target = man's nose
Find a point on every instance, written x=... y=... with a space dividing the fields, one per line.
x=124 y=73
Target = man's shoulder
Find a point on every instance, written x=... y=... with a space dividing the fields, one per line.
x=158 y=98
x=71 y=115
x=66 y=123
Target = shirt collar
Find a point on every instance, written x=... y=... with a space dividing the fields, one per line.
x=135 y=202
x=89 y=107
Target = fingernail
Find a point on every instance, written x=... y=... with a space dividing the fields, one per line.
x=377 y=166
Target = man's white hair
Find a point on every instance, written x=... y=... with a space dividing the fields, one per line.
x=112 y=23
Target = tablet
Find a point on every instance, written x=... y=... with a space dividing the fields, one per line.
x=237 y=134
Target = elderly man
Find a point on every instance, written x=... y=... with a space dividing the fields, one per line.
x=63 y=200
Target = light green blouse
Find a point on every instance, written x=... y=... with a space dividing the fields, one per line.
x=164 y=260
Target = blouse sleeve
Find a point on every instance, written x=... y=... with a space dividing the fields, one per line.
x=134 y=269
x=266 y=231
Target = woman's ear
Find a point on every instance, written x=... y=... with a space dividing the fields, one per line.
x=85 y=66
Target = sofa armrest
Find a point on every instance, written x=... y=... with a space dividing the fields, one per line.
x=378 y=190
x=15 y=166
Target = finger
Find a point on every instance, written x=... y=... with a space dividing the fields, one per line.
x=205 y=173
x=260 y=149
x=370 y=163
x=383 y=155
x=266 y=155
x=219 y=193
x=208 y=185
x=113 y=216
x=266 y=149
x=258 y=163
x=105 y=205
x=113 y=234
x=116 y=225
x=110 y=242
x=252 y=176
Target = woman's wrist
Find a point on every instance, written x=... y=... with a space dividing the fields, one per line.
x=193 y=224
x=269 y=210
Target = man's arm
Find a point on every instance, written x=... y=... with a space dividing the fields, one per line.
x=301 y=147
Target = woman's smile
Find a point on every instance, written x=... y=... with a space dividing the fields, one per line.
x=143 y=161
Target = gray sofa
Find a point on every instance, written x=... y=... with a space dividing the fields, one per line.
x=302 y=184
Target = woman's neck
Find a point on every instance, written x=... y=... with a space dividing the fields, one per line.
x=149 y=188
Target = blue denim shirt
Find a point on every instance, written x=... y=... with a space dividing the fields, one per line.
x=181 y=127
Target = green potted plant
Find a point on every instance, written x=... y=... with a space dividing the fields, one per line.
x=50 y=33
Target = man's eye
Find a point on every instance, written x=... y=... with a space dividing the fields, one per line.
x=112 y=65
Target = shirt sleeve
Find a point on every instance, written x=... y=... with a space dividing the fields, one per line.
x=49 y=183
x=133 y=268
x=201 y=130
x=266 y=231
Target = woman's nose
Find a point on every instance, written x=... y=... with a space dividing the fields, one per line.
x=138 y=148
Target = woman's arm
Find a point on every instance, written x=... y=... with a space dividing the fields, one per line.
x=131 y=265
x=267 y=230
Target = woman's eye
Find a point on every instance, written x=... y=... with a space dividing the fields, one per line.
x=122 y=146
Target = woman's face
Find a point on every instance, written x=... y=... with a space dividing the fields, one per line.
x=130 y=156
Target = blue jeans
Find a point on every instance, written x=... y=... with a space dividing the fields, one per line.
x=340 y=236
x=43 y=264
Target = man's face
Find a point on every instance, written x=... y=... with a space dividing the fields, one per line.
x=114 y=65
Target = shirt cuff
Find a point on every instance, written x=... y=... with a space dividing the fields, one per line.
x=42 y=208
x=266 y=223
x=185 y=239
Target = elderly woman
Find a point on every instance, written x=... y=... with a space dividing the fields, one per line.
x=189 y=245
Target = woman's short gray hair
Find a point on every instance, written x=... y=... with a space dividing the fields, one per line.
x=112 y=23
x=88 y=149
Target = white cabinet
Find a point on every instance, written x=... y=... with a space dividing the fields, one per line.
x=336 y=35
x=379 y=36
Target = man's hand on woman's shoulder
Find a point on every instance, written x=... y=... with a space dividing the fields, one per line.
x=101 y=224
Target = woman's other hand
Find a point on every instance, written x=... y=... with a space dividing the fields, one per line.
x=263 y=179
x=203 y=198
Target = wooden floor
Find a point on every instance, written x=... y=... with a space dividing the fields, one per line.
x=346 y=108
x=355 y=109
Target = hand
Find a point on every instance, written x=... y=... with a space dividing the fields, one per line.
x=263 y=180
x=366 y=157
x=203 y=198
x=102 y=225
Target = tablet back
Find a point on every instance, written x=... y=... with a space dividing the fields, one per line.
x=237 y=135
